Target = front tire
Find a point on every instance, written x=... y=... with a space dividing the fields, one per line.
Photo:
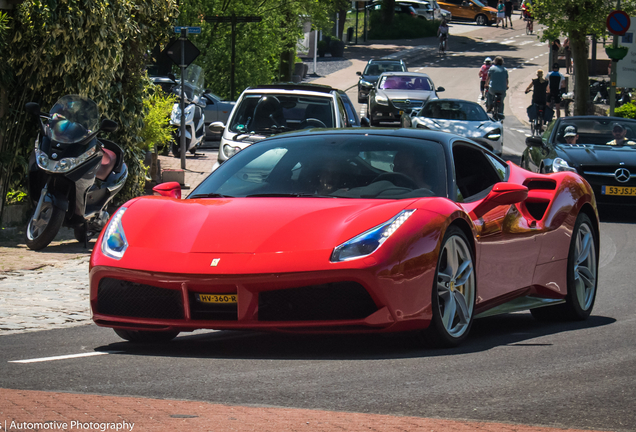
x=582 y=274
x=142 y=336
x=42 y=231
x=453 y=293
x=481 y=20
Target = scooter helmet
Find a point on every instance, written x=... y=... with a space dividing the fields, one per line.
x=488 y=60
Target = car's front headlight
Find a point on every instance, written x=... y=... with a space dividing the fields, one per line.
x=381 y=100
x=230 y=150
x=559 y=165
x=369 y=241
x=114 y=242
x=63 y=165
x=494 y=134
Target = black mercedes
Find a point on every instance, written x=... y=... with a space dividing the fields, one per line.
x=601 y=149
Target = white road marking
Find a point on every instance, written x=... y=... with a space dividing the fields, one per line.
x=507 y=42
x=524 y=43
x=62 y=357
x=490 y=41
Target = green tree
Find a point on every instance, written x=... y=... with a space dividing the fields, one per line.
x=577 y=19
x=265 y=51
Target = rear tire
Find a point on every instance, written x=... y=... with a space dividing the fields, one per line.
x=143 y=336
x=582 y=274
x=453 y=292
x=42 y=232
x=176 y=150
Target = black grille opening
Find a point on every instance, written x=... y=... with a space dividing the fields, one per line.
x=129 y=299
x=331 y=301
x=211 y=311
x=541 y=184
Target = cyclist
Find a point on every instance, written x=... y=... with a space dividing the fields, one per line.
x=497 y=83
x=539 y=87
x=527 y=16
x=557 y=87
x=483 y=75
x=442 y=34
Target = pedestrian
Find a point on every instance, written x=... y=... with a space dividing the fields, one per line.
x=508 y=12
x=557 y=86
x=483 y=75
x=497 y=83
x=554 y=51
x=501 y=14
x=568 y=56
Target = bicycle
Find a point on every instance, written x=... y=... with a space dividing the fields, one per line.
x=442 y=44
x=497 y=113
x=529 y=26
x=536 y=126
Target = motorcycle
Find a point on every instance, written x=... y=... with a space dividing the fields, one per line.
x=194 y=115
x=73 y=174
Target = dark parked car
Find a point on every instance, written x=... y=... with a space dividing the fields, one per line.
x=601 y=149
x=216 y=109
x=397 y=93
x=372 y=72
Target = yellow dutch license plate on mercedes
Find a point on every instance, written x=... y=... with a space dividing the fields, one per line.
x=619 y=190
x=218 y=298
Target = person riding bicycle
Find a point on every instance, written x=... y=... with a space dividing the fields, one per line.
x=442 y=33
x=483 y=75
x=539 y=87
x=527 y=16
x=557 y=87
x=497 y=84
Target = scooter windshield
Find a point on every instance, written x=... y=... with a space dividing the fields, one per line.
x=72 y=119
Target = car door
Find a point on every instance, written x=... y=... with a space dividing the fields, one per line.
x=507 y=251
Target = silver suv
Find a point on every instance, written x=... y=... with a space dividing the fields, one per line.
x=270 y=109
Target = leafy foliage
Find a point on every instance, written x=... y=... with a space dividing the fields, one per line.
x=627 y=110
x=157 y=131
x=95 y=48
x=403 y=26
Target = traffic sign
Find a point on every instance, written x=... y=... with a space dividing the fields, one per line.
x=173 y=51
x=191 y=30
x=618 y=23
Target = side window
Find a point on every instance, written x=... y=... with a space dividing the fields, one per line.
x=501 y=168
x=342 y=113
x=474 y=173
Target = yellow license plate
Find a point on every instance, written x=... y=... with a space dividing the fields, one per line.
x=217 y=298
x=401 y=112
x=619 y=190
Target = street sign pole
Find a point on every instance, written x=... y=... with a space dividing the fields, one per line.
x=184 y=36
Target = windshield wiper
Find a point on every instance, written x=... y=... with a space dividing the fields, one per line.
x=210 y=195
x=273 y=129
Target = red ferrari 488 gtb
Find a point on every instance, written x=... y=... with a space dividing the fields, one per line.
x=351 y=230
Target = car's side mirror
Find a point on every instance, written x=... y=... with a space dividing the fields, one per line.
x=217 y=126
x=359 y=73
x=172 y=77
x=440 y=89
x=534 y=142
x=502 y=193
x=32 y=108
x=364 y=122
x=168 y=189
x=108 y=125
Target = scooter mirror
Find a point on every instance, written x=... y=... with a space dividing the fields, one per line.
x=32 y=108
x=108 y=126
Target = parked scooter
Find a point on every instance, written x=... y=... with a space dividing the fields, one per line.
x=194 y=115
x=72 y=174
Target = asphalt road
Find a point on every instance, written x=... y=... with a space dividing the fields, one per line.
x=512 y=368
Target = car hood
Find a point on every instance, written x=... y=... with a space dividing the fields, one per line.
x=408 y=94
x=287 y=234
x=370 y=78
x=588 y=154
x=469 y=129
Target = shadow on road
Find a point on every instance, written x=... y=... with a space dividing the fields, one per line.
x=512 y=330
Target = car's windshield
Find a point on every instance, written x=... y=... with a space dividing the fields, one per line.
x=332 y=165
x=272 y=113
x=453 y=110
x=72 y=119
x=402 y=82
x=599 y=131
x=478 y=3
x=375 y=69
